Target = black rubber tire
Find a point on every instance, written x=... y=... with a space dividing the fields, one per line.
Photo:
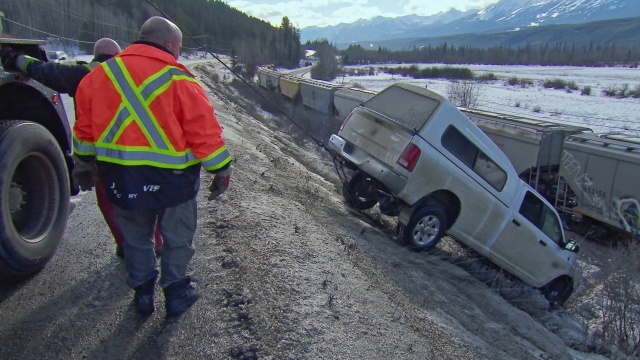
x=426 y=227
x=361 y=191
x=34 y=197
x=558 y=290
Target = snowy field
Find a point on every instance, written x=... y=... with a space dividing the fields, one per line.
x=596 y=111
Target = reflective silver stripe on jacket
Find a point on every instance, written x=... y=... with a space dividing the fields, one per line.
x=133 y=102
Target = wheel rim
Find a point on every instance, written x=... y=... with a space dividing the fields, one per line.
x=34 y=191
x=426 y=230
x=360 y=192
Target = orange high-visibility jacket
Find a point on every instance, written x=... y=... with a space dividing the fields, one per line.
x=149 y=124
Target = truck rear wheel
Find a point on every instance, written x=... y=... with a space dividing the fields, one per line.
x=425 y=228
x=34 y=197
x=361 y=191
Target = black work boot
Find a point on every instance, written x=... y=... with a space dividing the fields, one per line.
x=179 y=296
x=143 y=298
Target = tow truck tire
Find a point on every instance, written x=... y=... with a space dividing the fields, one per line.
x=360 y=192
x=34 y=197
x=426 y=227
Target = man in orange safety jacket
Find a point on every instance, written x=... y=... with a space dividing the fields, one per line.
x=149 y=128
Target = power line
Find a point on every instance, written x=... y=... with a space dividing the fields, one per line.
x=317 y=141
x=95 y=21
x=46 y=33
x=200 y=47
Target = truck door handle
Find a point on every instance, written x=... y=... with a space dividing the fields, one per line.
x=542 y=242
x=516 y=222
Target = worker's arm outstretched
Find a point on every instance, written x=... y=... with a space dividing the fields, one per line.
x=63 y=78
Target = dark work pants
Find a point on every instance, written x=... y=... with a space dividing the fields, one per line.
x=177 y=226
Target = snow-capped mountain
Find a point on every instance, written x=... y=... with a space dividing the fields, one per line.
x=518 y=14
x=505 y=15
x=379 y=28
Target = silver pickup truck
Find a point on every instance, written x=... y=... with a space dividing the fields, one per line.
x=416 y=156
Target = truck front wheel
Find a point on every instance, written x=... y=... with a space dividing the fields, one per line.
x=426 y=227
x=558 y=290
x=34 y=197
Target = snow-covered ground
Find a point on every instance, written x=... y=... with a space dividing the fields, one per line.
x=601 y=113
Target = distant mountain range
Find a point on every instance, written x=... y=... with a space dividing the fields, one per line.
x=379 y=28
x=606 y=32
x=503 y=16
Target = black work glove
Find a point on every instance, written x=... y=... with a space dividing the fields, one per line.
x=220 y=182
x=9 y=58
x=84 y=174
x=84 y=180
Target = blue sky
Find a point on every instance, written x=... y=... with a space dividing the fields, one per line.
x=304 y=13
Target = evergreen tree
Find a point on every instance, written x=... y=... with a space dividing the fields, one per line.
x=327 y=66
x=78 y=23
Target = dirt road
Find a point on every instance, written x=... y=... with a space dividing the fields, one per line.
x=286 y=272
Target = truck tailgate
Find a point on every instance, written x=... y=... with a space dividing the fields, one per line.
x=376 y=135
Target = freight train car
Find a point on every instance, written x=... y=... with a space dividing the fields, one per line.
x=290 y=87
x=599 y=179
x=319 y=95
x=268 y=79
x=347 y=99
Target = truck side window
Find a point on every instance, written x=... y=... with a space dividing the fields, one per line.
x=490 y=171
x=460 y=146
x=542 y=216
x=470 y=155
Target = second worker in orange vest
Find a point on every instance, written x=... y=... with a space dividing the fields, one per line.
x=150 y=128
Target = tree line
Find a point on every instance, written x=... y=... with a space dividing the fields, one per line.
x=559 y=54
x=222 y=29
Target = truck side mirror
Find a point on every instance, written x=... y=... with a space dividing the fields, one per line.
x=572 y=246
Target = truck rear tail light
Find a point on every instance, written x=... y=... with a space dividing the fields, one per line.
x=409 y=157
x=345 y=121
x=54 y=98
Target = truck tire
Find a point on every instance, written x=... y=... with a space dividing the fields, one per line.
x=34 y=197
x=360 y=192
x=558 y=290
x=426 y=227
